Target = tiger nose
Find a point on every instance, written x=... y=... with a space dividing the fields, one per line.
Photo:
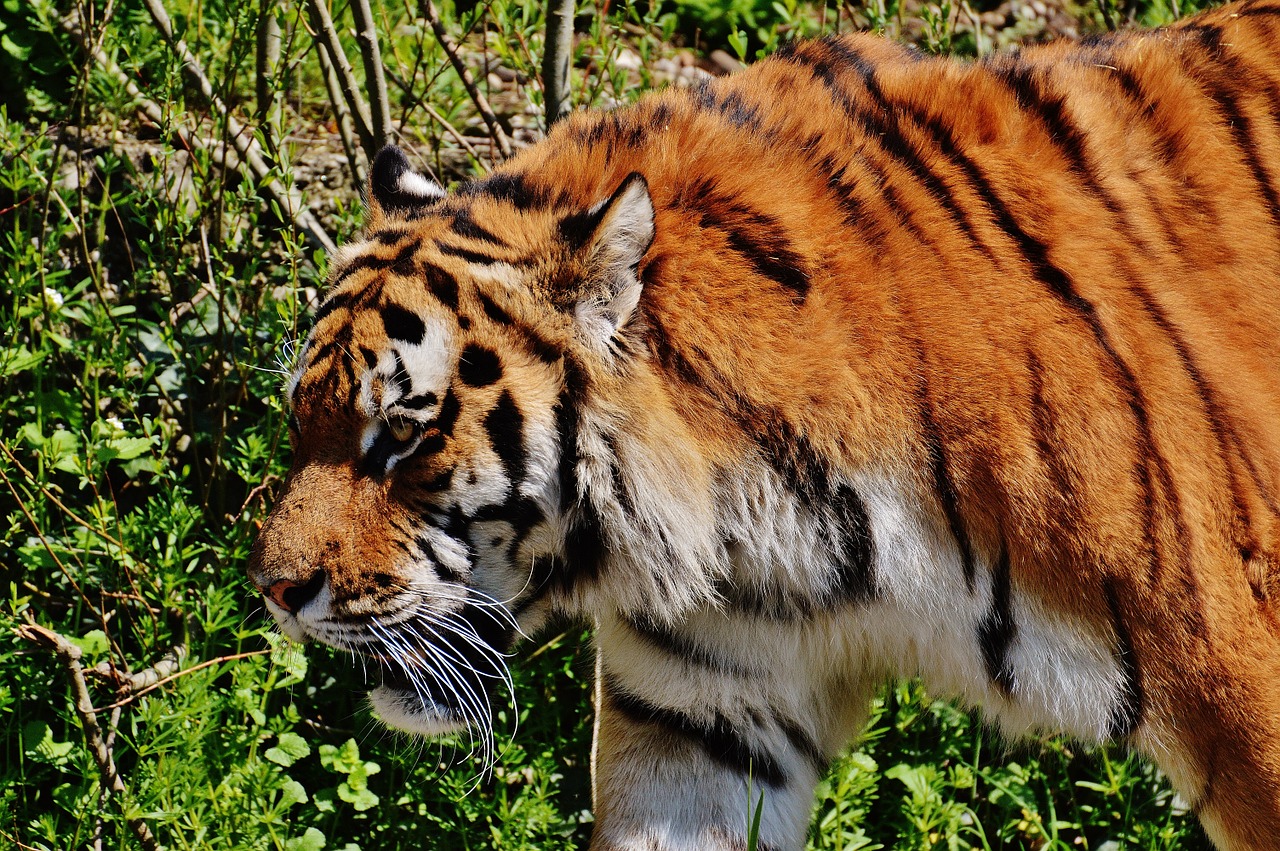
x=292 y=596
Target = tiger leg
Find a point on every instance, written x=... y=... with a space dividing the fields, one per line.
x=688 y=748
x=1217 y=734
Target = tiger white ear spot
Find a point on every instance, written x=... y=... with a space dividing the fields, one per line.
x=394 y=187
x=621 y=232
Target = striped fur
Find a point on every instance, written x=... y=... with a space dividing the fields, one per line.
x=853 y=365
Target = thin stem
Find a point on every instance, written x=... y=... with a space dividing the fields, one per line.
x=427 y=10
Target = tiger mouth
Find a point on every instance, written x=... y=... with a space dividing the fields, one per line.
x=415 y=702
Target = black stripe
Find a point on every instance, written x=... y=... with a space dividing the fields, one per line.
x=479 y=366
x=666 y=640
x=332 y=303
x=854 y=548
x=883 y=129
x=1126 y=715
x=756 y=236
x=731 y=107
x=803 y=743
x=1060 y=284
x=1216 y=87
x=845 y=193
x=1166 y=146
x=717 y=737
x=576 y=229
x=464 y=225
x=512 y=187
x=390 y=236
x=1052 y=111
x=372 y=262
x=441 y=285
x=998 y=628
x=493 y=311
x=477 y=257
x=418 y=402
x=505 y=425
x=945 y=490
x=620 y=490
x=402 y=324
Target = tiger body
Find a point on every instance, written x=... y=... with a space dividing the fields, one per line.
x=856 y=364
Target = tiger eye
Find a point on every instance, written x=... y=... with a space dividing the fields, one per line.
x=400 y=429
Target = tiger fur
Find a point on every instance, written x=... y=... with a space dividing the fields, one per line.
x=856 y=364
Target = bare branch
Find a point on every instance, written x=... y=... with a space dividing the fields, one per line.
x=69 y=655
x=555 y=59
x=374 y=80
x=342 y=117
x=327 y=38
x=428 y=11
x=243 y=141
x=267 y=60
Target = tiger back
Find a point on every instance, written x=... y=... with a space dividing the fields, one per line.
x=856 y=364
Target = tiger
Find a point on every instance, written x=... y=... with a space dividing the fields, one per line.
x=853 y=365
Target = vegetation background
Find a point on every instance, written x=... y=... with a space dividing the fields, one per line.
x=172 y=175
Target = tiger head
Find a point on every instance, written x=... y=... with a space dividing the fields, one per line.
x=434 y=504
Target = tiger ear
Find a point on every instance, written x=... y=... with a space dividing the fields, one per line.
x=396 y=189
x=621 y=231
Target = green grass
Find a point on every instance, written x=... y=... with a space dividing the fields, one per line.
x=151 y=299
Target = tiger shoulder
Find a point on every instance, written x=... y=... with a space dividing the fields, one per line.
x=855 y=364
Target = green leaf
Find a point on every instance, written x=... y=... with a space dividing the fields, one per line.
x=39 y=744
x=92 y=643
x=361 y=799
x=312 y=840
x=292 y=793
x=19 y=360
x=324 y=800
x=129 y=447
x=62 y=449
x=290 y=748
x=342 y=760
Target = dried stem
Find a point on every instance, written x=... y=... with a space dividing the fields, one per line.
x=327 y=38
x=69 y=655
x=375 y=81
x=428 y=11
x=243 y=141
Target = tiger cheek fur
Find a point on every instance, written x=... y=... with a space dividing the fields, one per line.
x=856 y=364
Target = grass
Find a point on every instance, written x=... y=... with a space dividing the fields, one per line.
x=151 y=299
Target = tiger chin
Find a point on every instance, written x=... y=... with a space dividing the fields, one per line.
x=856 y=364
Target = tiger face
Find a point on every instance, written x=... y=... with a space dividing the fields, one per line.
x=431 y=506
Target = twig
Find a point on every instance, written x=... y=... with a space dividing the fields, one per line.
x=168 y=665
x=69 y=655
x=327 y=39
x=555 y=59
x=443 y=122
x=374 y=80
x=235 y=657
x=427 y=10
x=243 y=141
